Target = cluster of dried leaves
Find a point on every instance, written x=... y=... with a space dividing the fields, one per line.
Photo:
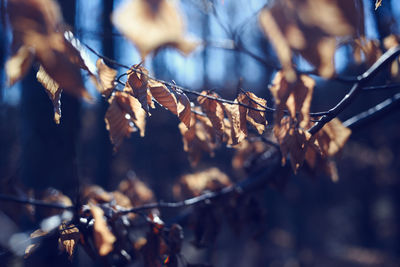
x=102 y=226
x=293 y=26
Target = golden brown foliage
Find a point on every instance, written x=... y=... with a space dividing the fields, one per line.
x=103 y=237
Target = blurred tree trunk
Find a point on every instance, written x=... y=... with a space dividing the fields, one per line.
x=103 y=148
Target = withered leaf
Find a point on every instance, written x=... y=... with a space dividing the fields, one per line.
x=295 y=97
x=19 y=64
x=35 y=236
x=132 y=107
x=293 y=142
x=191 y=185
x=378 y=3
x=238 y=127
x=136 y=190
x=255 y=117
x=118 y=120
x=69 y=237
x=103 y=237
x=53 y=90
x=310 y=28
x=163 y=96
x=369 y=48
x=184 y=109
x=152 y=25
x=332 y=137
x=137 y=85
x=107 y=77
x=214 y=110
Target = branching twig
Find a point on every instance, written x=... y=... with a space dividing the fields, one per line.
x=385 y=59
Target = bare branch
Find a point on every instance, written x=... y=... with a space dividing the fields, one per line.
x=34 y=202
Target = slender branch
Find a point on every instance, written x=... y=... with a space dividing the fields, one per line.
x=254 y=182
x=34 y=202
x=367 y=76
x=374 y=112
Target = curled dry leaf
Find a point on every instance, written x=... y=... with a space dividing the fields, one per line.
x=378 y=3
x=152 y=24
x=118 y=124
x=19 y=64
x=370 y=49
x=69 y=237
x=107 y=78
x=310 y=27
x=95 y=194
x=295 y=97
x=192 y=185
x=293 y=142
x=137 y=191
x=332 y=138
x=184 y=109
x=53 y=90
x=137 y=85
x=390 y=42
x=35 y=242
x=163 y=96
x=238 y=127
x=214 y=110
x=199 y=138
x=103 y=237
x=255 y=117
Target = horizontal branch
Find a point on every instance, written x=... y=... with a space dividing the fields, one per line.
x=34 y=202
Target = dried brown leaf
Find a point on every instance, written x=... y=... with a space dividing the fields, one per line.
x=103 y=237
x=293 y=142
x=191 y=185
x=378 y=3
x=238 y=129
x=69 y=237
x=310 y=27
x=295 y=97
x=96 y=194
x=370 y=49
x=214 y=110
x=53 y=90
x=131 y=106
x=35 y=238
x=19 y=64
x=332 y=138
x=107 y=77
x=163 y=96
x=255 y=117
x=137 y=191
x=137 y=85
x=152 y=25
x=118 y=120
x=184 y=109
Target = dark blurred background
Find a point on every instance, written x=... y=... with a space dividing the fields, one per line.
x=309 y=221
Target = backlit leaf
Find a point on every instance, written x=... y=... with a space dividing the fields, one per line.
x=137 y=85
x=69 y=238
x=53 y=90
x=103 y=237
x=152 y=24
x=214 y=110
x=255 y=115
x=107 y=77
x=163 y=96
x=19 y=64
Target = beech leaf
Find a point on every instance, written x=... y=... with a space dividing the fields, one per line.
x=163 y=96
x=137 y=85
x=53 y=90
x=255 y=117
x=19 y=64
x=107 y=77
x=152 y=24
x=103 y=238
x=69 y=237
x=214 y=110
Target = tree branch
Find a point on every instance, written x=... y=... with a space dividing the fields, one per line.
x=367 y=76
x=34 y=202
